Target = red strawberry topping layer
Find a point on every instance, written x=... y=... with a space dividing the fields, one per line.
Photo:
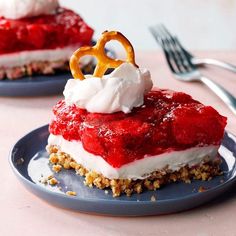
x=44 y=32
x=166 y=122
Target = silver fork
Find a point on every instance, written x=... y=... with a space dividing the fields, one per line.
x=182 y=67
x=201 y=61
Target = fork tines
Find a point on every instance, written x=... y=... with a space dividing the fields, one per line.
x=179 y=60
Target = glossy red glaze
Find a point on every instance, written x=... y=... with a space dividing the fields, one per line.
x=167 y=121
x=44 y=32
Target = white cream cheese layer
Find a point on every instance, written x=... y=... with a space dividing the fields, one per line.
x=138 y=169
x=121 y=90
x=50 y=55
x=16 y=9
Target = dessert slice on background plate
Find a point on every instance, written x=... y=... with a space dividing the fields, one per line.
x=122 y=134
x=39 y=37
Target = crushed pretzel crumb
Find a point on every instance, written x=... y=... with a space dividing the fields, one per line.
x=53 y=181
x=201 y=189
x=56 y=168
x=20 y=161
x=153 y=198
x=44 y=181
x=50 y=177
x=71 y=193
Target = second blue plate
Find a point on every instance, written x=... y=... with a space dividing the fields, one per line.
x=41 y=85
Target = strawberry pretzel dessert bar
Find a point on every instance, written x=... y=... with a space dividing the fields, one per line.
x=122 y=134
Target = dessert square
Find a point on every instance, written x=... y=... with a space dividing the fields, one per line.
x=122 y=134
x=42 y=43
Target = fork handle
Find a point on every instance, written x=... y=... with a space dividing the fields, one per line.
x=214 y=62
x=225 y=96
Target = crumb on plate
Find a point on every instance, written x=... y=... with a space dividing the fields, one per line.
x=71 y=193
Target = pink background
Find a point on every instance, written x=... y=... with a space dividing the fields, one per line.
x=22 y=213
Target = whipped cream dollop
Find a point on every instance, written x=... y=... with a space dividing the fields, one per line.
x=121 y=90
x=16 y=9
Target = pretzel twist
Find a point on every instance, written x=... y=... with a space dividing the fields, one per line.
x=98 y=51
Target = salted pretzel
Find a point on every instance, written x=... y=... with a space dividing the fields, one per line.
x=98 y=51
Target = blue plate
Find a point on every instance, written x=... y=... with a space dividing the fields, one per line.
x=29 y=162
x=41 y=85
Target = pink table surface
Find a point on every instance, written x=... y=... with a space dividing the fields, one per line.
x=22 y=213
